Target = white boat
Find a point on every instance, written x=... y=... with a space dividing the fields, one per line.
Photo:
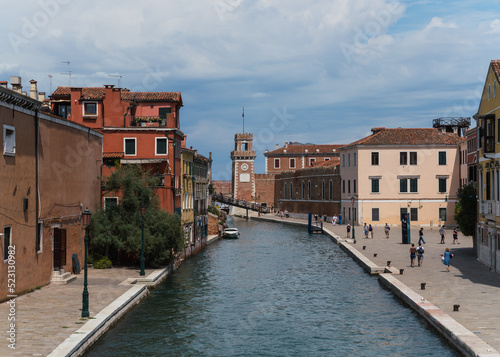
x=231 y=233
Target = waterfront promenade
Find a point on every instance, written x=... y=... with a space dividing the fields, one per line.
x=469 y=283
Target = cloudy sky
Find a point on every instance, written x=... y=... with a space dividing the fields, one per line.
x=320 y=71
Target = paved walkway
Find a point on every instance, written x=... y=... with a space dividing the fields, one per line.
x=469 y=283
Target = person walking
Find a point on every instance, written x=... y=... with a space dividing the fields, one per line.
x=420 y=254
x=387 y=229
x=370 y=231
x=366 y=231
x=348 y=228
x=421 y=236
x=441 y=231
x=413 y=253
x=447 y=258
x=334 y=219
x=455 y=235
x=340 y=219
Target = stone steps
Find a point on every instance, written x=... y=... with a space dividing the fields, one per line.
x=61 y=277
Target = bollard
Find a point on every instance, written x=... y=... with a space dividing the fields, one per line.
x=401 y=271
x=364 y=247
x=375 y=255
x=354 y=242
x=388 y=263
x=455 y=307
x=422 y=286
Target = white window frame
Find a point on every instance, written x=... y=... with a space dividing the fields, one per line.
x=11 y=151
x=290 y=163
x=106 y=198
x=311 y=160
x=445 y=213
x=371 y=184
x=125 y=146
x=156 y=145
x=84 y=113
x=371 y=158
x=327 y=159
x=279 y=163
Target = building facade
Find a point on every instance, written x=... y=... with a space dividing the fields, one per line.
x=187 y=216
x=314 y=189
x=488 y=164
x=49 y=171
x=139 y=128
x=397 y=171
x=295 y=156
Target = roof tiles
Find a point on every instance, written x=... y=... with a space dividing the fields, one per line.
x=97 y=93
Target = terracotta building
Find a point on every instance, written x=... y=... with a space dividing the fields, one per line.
x=49 y=171
x=315 y=189
x=139 y=128
x=397 y=171
x=295 y=156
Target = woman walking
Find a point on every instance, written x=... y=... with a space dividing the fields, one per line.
x=447 y=259
x=348 y=230
x=413 y=253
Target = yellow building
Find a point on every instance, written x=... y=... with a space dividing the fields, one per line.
x=187 y=207
x=488 y=122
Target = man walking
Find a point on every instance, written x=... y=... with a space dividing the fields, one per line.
x=420 y=254
x=387 y=230
x=441 y=231
x=421 y=236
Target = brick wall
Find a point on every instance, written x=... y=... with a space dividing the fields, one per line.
x=264 y=187
x=224 y=186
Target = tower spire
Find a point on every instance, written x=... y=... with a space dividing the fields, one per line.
x=243 y=116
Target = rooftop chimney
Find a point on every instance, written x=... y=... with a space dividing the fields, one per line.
x=277 y=146
x=376 y=130
x=33 y=90
x=15 y=81
x=41 y=96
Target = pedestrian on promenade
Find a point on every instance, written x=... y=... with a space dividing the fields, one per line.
x=447 y=258
x=413 y=253
x=348 y=228
x=366 y=231
x=421 y=236
x=441 y=231
x=370 y=231
x=420 y=254
x=334 y=219
x=340 y=219
x=455 y=235
x=387 y=229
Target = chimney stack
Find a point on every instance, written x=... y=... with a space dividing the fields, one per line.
x=277 y=146
x=33 y=90
x=15 y=81
x=41 y=96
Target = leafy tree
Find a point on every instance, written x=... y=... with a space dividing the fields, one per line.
x=116 y=231
x=466 y=209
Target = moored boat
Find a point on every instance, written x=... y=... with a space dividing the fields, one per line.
x=231 y=233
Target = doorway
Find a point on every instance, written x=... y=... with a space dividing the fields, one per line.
x=59 y=248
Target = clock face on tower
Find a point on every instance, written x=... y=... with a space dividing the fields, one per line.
x=244 y=167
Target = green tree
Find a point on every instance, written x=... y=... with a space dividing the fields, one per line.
x=466 y=209
x=116 y=231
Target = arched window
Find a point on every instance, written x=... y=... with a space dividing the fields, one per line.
x=285 y=190
x=331 y=191
x=309 y=190
x=303 y=190
x=291 y=190
x=323 y=190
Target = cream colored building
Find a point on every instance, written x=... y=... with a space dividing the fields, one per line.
x=397 y=171
x=488 y=121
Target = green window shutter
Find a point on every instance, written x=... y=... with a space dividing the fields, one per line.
x=403 y=185
x=414 y=185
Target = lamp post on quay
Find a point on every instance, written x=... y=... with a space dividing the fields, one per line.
x=143 y=211
x=85 y=296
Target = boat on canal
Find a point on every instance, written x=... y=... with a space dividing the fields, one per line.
x=231 y=233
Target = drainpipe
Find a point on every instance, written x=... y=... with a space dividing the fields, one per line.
x=37 y=159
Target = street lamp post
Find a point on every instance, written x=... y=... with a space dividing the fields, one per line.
x=143 y=211
x=352 y=220
x=85 y=296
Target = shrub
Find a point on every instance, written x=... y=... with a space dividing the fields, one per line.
x=103 y=263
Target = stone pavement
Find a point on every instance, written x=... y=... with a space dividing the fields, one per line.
x=46 y=317
x=469 y=283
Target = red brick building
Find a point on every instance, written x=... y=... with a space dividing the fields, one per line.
x=315 y=189
x=295 y=156
x=139 y=128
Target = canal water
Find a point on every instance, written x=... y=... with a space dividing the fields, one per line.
x=276 y=291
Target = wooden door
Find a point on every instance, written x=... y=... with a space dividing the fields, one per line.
x=59 y=248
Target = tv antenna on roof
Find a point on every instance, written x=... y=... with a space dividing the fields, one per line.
x=50 y=83
x=69 y=70
x=119 y=79
x=243 y=116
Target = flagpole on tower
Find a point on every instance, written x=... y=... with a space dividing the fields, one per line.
x=243 y=116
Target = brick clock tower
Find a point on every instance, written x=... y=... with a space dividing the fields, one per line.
x=243 y=158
